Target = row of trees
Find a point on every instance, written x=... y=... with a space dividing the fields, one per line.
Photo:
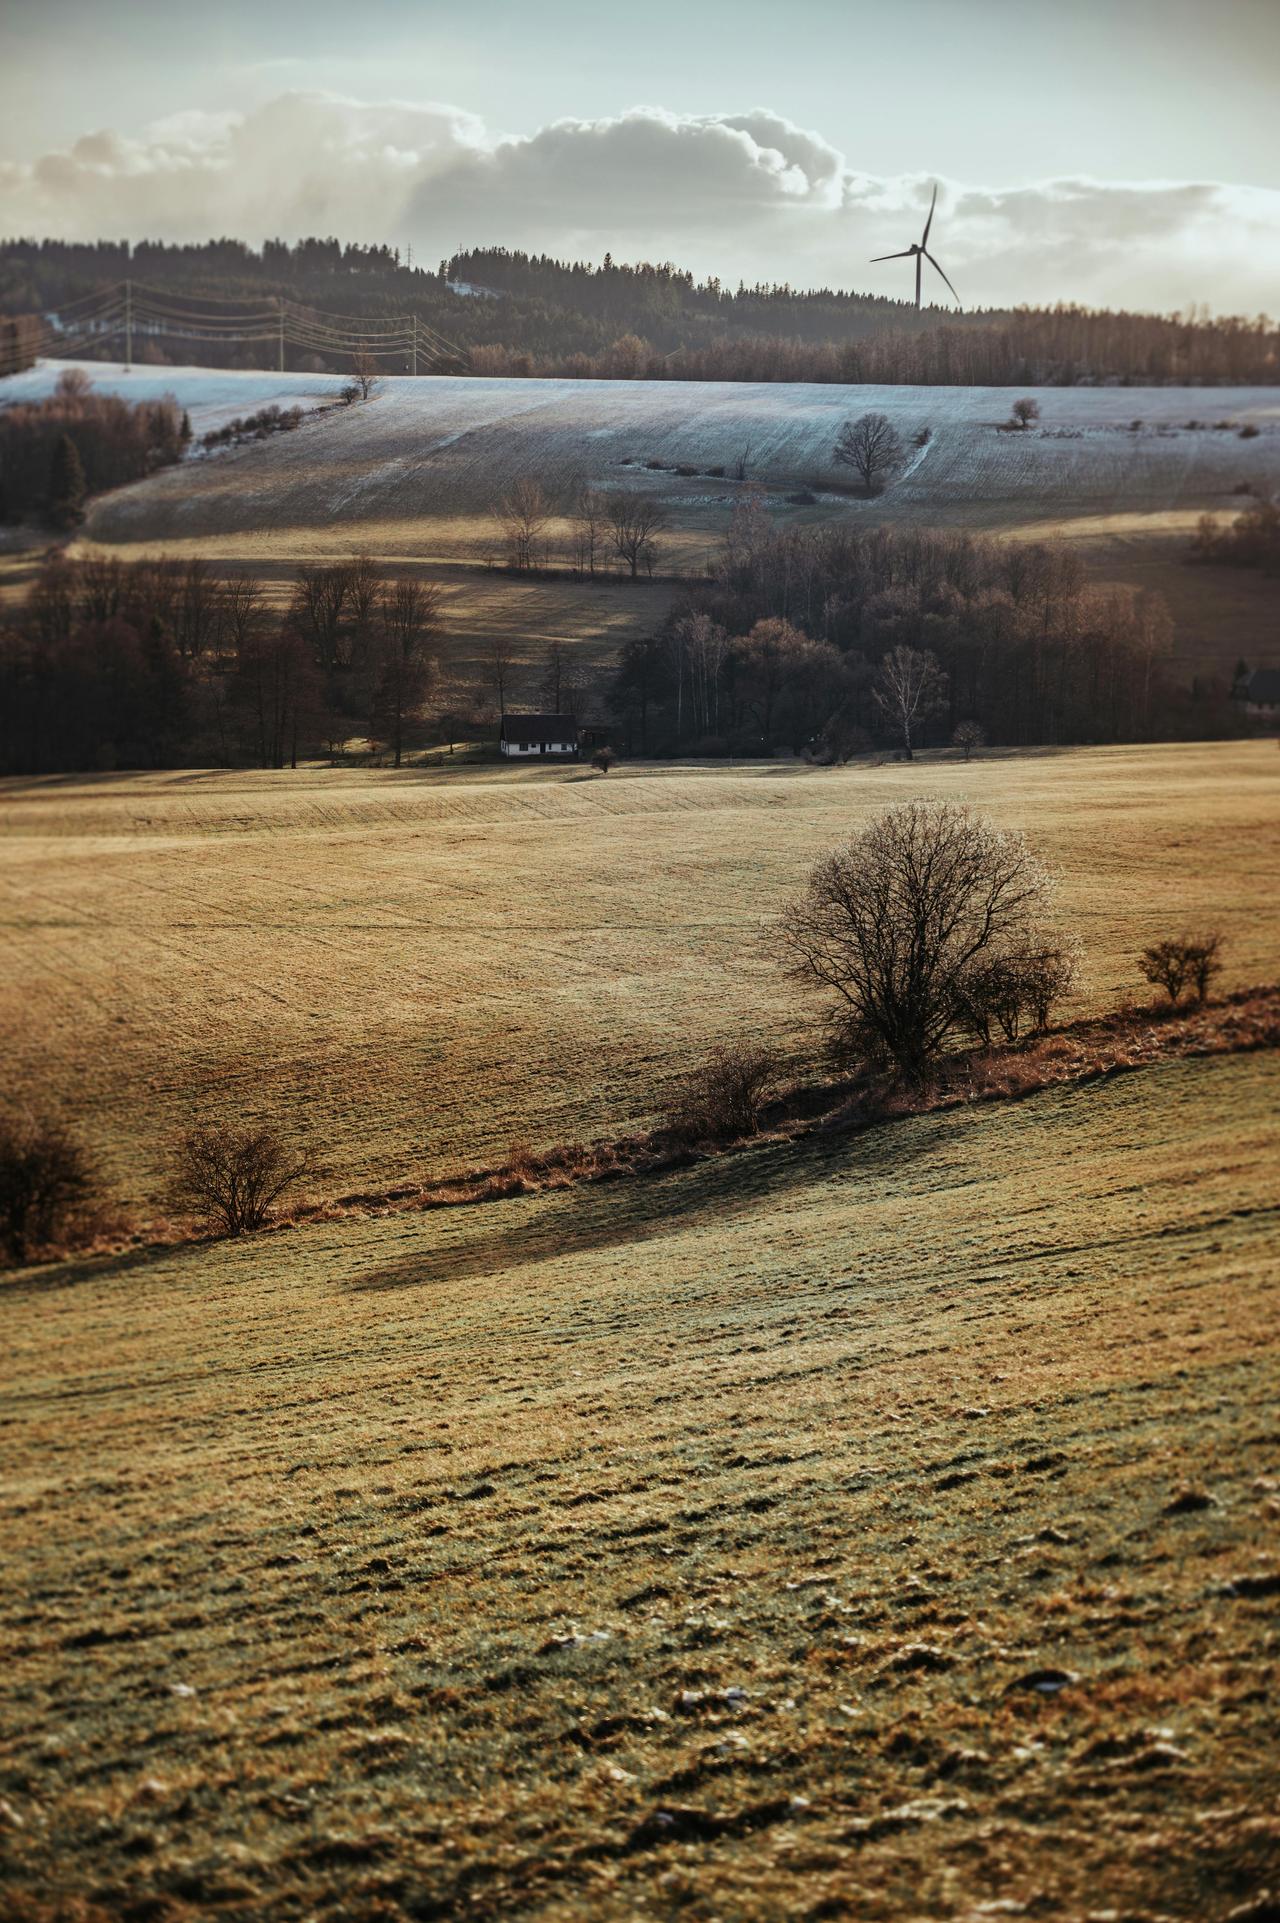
x=787 y=648
x=54 y=453
x=605 y=529
x=647 y=320
x=154 y=663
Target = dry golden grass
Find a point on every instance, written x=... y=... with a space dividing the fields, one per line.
x=693 y=1545
x=422 y=968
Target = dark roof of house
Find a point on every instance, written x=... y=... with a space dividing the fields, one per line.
x=539 y=727
x=1263 y=685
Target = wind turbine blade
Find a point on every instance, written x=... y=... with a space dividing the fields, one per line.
x=933 y=263
x=904 y=255
x=924 y=238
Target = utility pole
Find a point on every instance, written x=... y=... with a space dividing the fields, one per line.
x=280 y=327
x=128 y=323
x=415 y=343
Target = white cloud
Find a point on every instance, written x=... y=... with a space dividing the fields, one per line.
x=746 y=194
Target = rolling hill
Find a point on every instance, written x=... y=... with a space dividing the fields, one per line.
x=442 y=451
x=416 y=474
x=852 y=1530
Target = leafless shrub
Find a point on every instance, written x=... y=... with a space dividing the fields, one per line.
x=602 y=760
x=1023 y=412
x=724 y=1095
x=1016 y=992
x=232 y=1178
x=46 y=1180
x=1188 y=962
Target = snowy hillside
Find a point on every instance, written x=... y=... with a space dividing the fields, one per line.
x=439 y=447
x=210 y=395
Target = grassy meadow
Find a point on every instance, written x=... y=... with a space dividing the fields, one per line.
x=419 y=969
x=859 y=1529
x=865 y=1526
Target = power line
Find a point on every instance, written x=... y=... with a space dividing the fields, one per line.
x=129 y=309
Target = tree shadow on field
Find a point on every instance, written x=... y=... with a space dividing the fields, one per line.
x=483 y=1238
x=70 y=1271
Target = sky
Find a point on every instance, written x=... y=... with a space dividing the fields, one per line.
x=1117 y=152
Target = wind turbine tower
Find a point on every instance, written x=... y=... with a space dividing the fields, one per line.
x=920 y=251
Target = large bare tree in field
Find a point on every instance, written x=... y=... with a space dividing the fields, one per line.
x=525 y=513
x=915 y=924
x=871 y=446
x=908 y=689
x=408 y=620
x=634 y=521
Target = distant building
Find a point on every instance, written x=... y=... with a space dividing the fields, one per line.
x=1259 y=694
x=539 y=734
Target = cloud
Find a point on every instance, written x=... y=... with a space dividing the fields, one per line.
x=747 y=194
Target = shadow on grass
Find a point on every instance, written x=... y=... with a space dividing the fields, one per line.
x=556 y=1225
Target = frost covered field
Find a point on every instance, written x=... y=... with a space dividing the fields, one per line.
x=210 y=395
x=444 y=449
x=415 y=475
x=860 y=1530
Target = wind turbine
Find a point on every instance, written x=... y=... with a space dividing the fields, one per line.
x=920 y=249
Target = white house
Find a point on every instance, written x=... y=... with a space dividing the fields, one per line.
x=1259 y=694
x=523 y=735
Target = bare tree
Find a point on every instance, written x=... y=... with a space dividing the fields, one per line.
x=602 y=760
x=365 y=369
x=897 y=920
x=232 y=1178
x=198 y=606
x=46 y=1177
x=1024 y=412
x=319 y=604
x=633 y=521
x=699 y=649
x=243 y=610
x=872 y=447
x=968 y=737
x=587 y=519
x=909 y=687
x=276 y=681
x=408 y=618
x=499 y=663
x=524 y=513
x=363 y=589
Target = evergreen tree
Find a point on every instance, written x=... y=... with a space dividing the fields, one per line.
x=66 y=484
